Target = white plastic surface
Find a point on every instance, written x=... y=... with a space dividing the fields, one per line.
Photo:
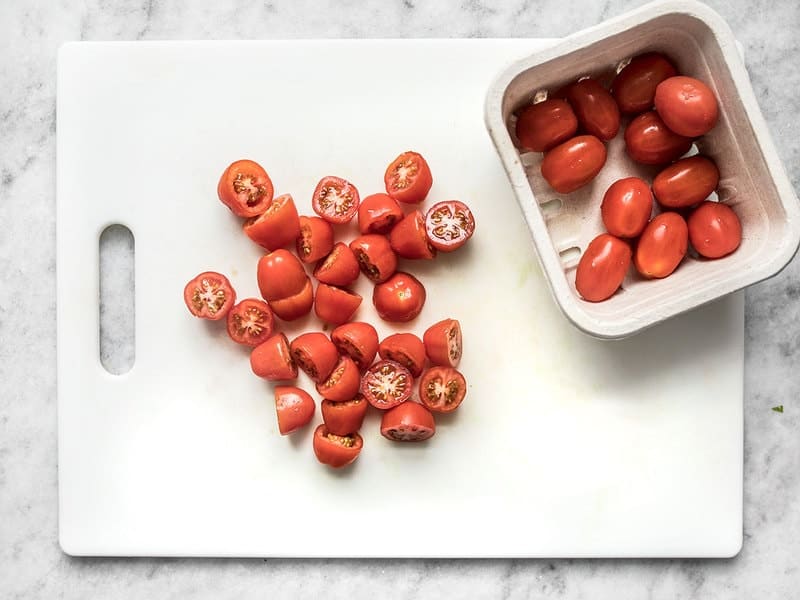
x=752 y=179
x=564 y=446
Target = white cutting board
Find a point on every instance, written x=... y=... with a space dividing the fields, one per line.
x=564 y=446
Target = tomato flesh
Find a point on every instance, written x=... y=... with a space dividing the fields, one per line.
x=443 y=344
x=449 y=225
x=315 y=354
x=408 y=422
x=714 y=229
x=386 y=384
x=334 y=450
x=209 y=296
x=335 y=200
x=442 y=389
x=250 y=322
x=315 y=240
x=375 y=256
x=245 y=188
x=408 y=178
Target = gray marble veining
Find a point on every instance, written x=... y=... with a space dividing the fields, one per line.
x=31 y=564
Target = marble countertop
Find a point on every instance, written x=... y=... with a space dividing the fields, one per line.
x=31 y=563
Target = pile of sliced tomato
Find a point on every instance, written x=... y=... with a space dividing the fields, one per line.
x=667 y=112
x=406 y=377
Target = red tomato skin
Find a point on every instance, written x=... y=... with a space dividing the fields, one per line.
x=375 y=256
x=421 y=179
x=343 y=382
x=449 y=225
x=315 y=240
x=602 y=268
x=254 y=185
x=686 y=182
x=378 y=213
x=209 y=281
x=408 y=422
x=596 y=109
x=344 y=418
x=333 y=453
x=335 y=305
x=409 y=240
x=573 y=164
x=335 y=199
x=443 y=344
x=294 y=407
x=295 y=306
x=280 y=275
x=714 y=230
x=400 y=298
x=687 y=105
x=273 y=360
x=650 y=142
x=455 y=387
x=315 y=354
x=358 y=340
x=250 y=313
x=339 y=268
x=626 y=207
x=276 y=227
x=545 y=125
x=634 y=87
x=662 y=246
x=404 y=348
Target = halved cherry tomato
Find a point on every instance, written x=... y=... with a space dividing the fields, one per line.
x=602 y=267
x=315 y=240
x=574 y=163
x=662 y=246
x=408 y=178
x=386 y=384
x=714 y=229
x=687 y=105
x=441 y=389
x=280 y=275
x=295 y=408
x=375 y=256
x=443 y=343
x=378 y=213
x=277 y=226
x=408 y=238
x=400 y=298
x=315 y=354
x=626 y=207
x=449 y=225
x=649 y=141
x=245 y=188
x=544 y=125
x=358 y=340
x=336 y=450
x=406 y=349
x=343 y=382
x=686 y=182
x=343 y=418
x=209 y=296
x=596 y=109
x=340 y=267
x=335 y=305
x=408 y=422
x=335 y=199
x=296 y=306
x=273 y=360
x=250 y=322
x=634 y=87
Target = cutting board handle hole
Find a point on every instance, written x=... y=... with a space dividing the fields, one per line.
x=117 y=316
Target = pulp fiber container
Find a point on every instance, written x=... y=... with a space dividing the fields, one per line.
x=752 y=179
